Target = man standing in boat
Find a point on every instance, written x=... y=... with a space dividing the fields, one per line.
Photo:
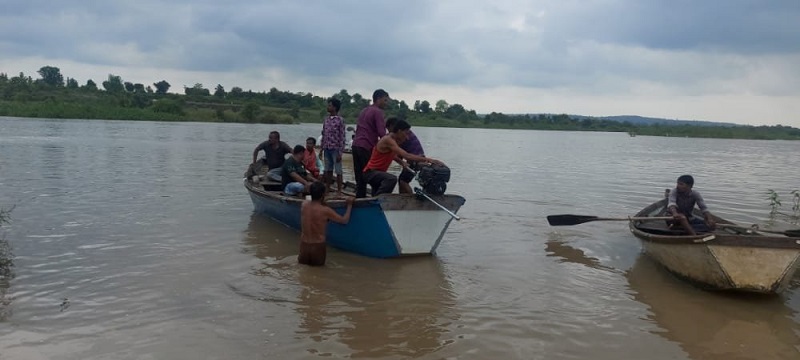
x=275 y=152
x=411 y=146
x=371 y=126
x=296 y=180
x=681 y=206
x=387 y=149
x=314 y=218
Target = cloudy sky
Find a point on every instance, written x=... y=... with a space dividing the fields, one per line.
x=719 y=60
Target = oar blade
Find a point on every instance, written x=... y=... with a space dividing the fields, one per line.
x=792 y=233
x=567 y=219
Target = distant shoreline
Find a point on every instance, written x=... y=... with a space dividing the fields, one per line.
x=54 y=98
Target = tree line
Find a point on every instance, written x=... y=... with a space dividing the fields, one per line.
x=52 y=95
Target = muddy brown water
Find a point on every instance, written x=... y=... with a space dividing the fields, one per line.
x=137 y=240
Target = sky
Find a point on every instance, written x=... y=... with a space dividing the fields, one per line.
x=718 y=60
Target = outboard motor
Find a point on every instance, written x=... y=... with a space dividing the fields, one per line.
x=433 y=178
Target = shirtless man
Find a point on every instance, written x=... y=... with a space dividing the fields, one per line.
x=314 y=217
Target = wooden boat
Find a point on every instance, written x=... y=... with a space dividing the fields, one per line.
x=386 y=226
x=725 y=259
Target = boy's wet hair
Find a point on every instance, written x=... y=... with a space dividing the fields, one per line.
x=379 y=94
x=317 y=190
x=337 y=104
x=390 y=123
x=400 y=125
x=686 y=179
x=299 y=149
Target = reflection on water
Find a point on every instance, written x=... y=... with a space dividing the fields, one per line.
x=715 y=325
x=400 y=309
x=707 y=325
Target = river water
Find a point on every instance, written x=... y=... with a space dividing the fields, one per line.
x=137 y=240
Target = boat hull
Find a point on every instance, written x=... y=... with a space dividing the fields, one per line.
x=382 y=227
x=727 y=259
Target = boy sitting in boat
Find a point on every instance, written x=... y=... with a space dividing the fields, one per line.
x=314 y=217
x=681 y=204
x=295 y=179
x=310 y=159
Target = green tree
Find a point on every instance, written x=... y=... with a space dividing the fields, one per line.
x=196 y=90
x=114 y=84
x=441 y=106
x=129 y=86
x=344 y=97
x=425 y=107
x=161 y=87
x=236 y=92
x=72 y=83
x=3 y=78
x=90 y=85
x=51 y=75
x=139 y=88
x=219 y=91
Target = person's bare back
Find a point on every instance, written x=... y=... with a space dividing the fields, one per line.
x=314 y=217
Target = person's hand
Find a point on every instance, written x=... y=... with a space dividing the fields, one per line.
x=435 y=162
x=679 y=216
x=711 y=224
x=349 y=200
x=339 y=157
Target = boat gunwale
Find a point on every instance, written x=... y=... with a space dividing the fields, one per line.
x=718 y=237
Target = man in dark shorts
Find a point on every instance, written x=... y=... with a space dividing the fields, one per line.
x=275 y=152
x=681 y=204
x=314 y=217
x=370 y=128
x=411 y=146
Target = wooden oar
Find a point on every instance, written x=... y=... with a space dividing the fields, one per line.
x=563 y=220
x=789 y=233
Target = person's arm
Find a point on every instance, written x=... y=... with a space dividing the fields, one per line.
x=701 y=204
x=255 y=152
x=672 y=203
x=341 y=130
x=297 y=178
x=380 y=124
x=335 y=217
x=286 y=147
x=402 y=153
x=310 y=177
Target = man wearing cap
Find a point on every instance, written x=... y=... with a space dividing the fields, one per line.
x=371 y=126
x=681 y=204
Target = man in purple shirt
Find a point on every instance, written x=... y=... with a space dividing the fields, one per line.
x=370 y=128
x=412 y=146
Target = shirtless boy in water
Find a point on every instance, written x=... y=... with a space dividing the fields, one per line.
x=314 y=216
